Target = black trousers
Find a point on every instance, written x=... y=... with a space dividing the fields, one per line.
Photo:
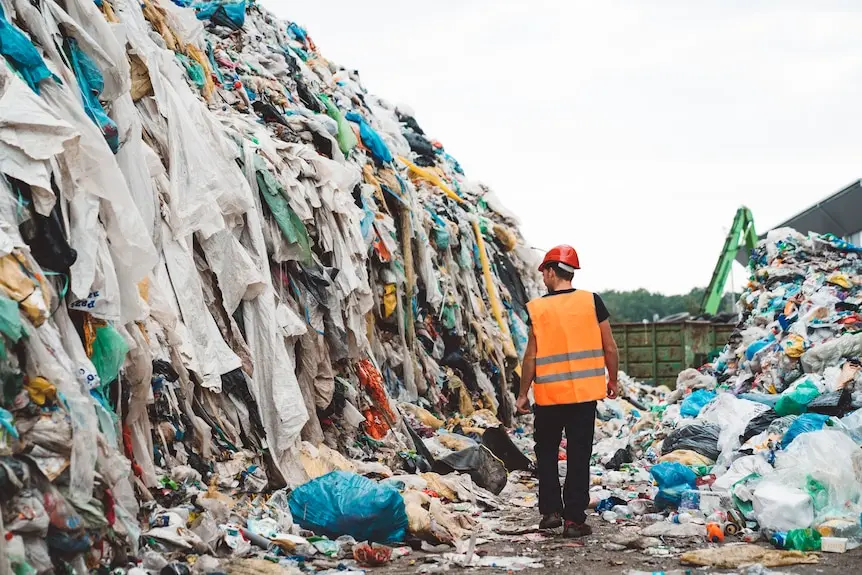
x=578 y=420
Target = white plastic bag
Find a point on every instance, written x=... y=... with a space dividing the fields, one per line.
x=732 y=415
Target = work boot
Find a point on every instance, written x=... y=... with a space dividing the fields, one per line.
x=551 y=521
x=573 y=529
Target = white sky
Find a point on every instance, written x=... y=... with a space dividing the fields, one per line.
x=632 y=130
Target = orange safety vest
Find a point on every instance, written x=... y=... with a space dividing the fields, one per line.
x=570 y=362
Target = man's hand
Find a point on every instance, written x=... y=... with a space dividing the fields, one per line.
x=523 y=405
x=613 y=390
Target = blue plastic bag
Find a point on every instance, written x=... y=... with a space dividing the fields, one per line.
x=21 y=54
x=371 y=139
x=804 y=424
x=222 y=12
x=692 y=404
x=92 y=83
x=758 y=346
x=344 y=503
x=673 y=480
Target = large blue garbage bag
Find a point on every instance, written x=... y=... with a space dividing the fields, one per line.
x=344 y=503
x=21 y=53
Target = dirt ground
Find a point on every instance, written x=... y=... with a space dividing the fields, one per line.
x=560 y=555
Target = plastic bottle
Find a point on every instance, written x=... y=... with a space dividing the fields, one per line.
x=622 y=511
x=653 y=517
x=609 y=516
x=681 y=518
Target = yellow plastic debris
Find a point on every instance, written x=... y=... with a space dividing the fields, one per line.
x=40 y=390
x=431 y=177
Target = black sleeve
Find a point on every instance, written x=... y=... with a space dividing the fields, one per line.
x=601 y=311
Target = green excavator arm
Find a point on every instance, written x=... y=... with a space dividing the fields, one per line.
x=741 y=234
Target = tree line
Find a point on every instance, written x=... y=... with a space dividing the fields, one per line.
x=639 y=305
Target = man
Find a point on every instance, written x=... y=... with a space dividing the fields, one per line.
x=569 y=348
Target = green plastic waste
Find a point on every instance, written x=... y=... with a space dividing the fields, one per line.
x=346 y=138
x=291 y=226
x=109 y=353
x=10 y=320
x=802 y=540
x=818 y=492
x=193 y=69
x=796 y=402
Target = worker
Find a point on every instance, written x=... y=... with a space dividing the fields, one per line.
x=569 y=351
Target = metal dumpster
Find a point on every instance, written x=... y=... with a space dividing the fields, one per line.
x=657 y=352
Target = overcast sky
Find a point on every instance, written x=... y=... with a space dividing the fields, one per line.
x=632 y=130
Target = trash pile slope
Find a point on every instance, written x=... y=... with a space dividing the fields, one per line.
x=223 y=260
x=764 y=444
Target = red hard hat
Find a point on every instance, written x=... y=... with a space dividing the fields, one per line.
x=561 y=254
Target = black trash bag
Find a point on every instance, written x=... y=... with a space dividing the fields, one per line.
x=45 y=234
x=833 y=403
x=269 y=113
x=758 y=425
x=700 y=438
x=498 y=441
x=422 y=147
x=620 y=457
x=487 y=471
x=410 y=122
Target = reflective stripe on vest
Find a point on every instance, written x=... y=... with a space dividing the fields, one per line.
x=570 y=364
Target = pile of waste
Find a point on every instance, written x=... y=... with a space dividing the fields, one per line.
x=764 y=444
x=237 y=292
